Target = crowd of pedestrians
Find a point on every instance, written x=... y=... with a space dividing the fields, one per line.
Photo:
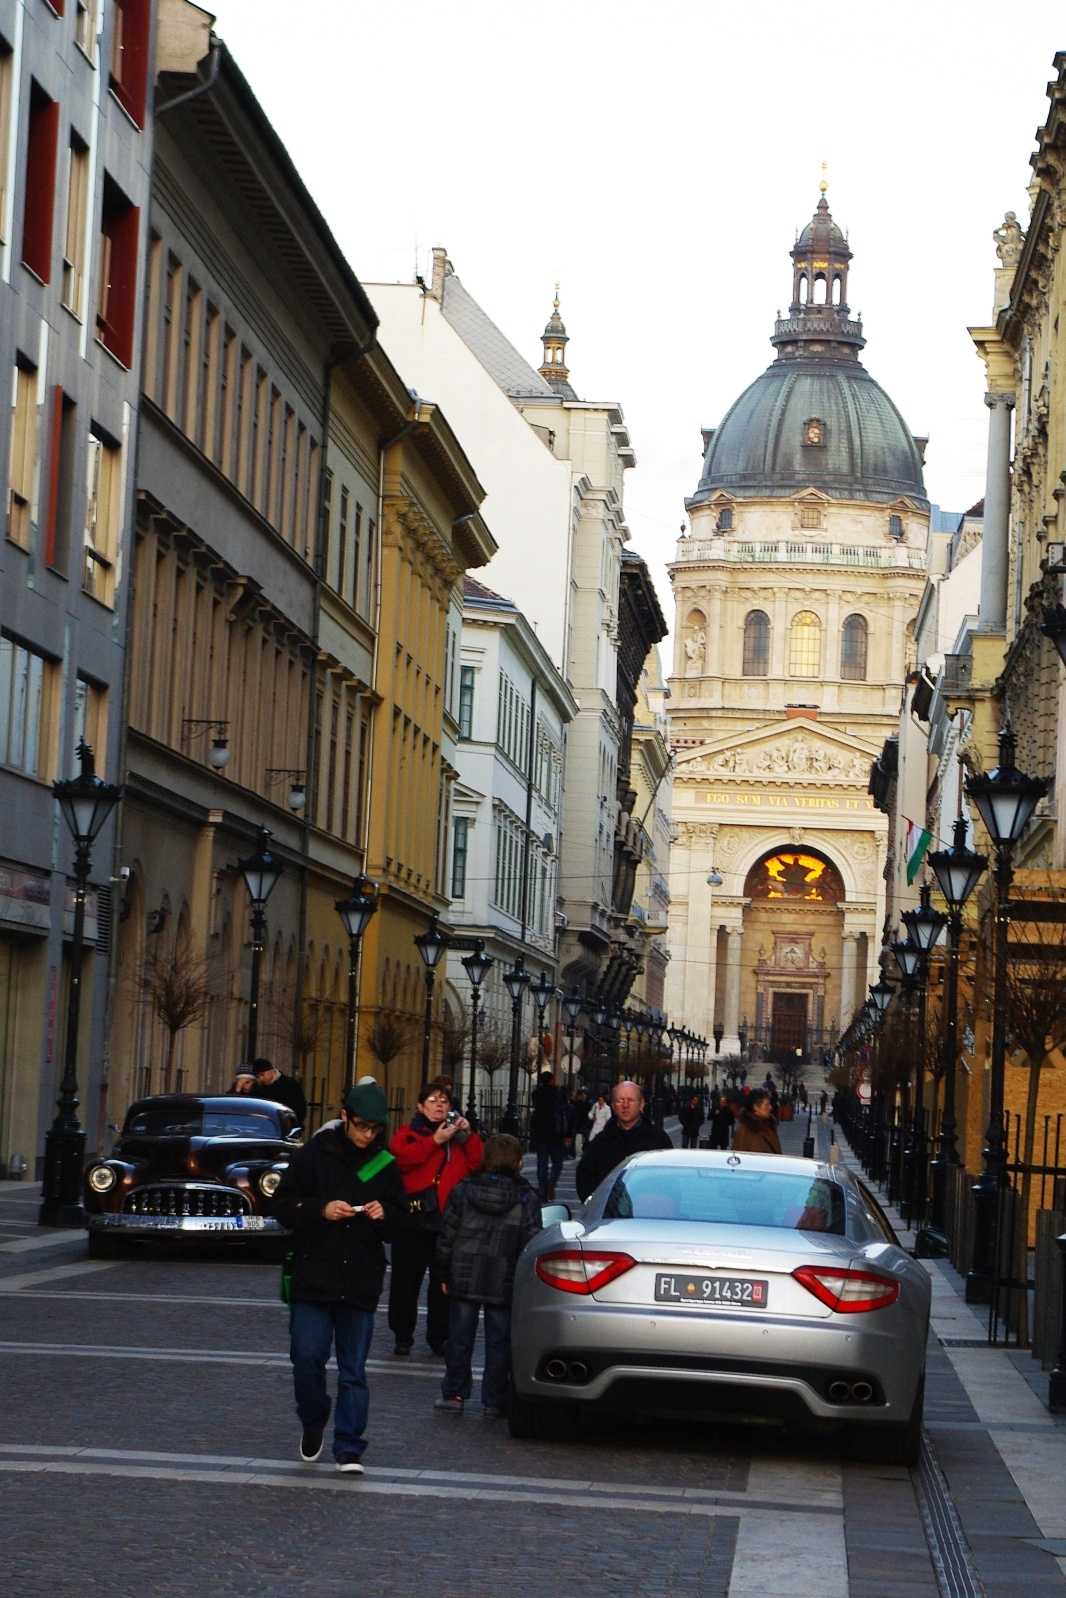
x=451 y=1206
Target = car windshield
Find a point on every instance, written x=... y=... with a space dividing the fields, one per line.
x=727 y=1196
x=175 y=1122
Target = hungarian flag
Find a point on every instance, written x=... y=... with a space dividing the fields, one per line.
x=918 y=840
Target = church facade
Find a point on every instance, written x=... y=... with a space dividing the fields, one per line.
x=795 y=590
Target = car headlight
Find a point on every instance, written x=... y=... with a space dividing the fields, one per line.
x=102 y=1178
x=269 y=1183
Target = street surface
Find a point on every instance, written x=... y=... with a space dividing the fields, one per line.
x=148 y=1450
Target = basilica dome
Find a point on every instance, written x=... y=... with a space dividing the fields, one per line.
x=815 y=418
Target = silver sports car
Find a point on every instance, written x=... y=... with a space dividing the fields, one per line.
x=724 y=1286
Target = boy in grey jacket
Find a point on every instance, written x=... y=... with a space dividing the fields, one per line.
x=489 y=1218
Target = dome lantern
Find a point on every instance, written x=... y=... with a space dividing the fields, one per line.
x=554 y=369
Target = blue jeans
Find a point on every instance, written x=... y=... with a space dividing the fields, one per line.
x=312 y=1330
x=556 y=1153
x=458 y=1381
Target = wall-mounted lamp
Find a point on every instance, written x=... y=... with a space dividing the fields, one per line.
x=297 y=784
x=219 y=752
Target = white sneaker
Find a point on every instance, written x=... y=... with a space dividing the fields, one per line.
x=350 y=1465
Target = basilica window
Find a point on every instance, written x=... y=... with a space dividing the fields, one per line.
x=853 y=649
x=724 y=523
x=895 y=526
x=756 y=644
x=810 y=516
x=805 y=645
x=814 y=431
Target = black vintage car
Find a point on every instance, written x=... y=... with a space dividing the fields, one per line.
x=191 y=1168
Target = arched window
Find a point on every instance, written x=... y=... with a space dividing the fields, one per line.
x=756 y=644
x=819 y=290
x=805 y=645
x=725 y=519
x=853 y=649
x=795 y=875
x=909 y=650
x=802 y=296
x=836 y=291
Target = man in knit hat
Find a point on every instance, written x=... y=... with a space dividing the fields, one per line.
x=342 y=1199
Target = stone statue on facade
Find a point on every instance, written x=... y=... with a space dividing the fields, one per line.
x=1009 y=240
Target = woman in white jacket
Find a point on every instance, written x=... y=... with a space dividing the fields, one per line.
x=601 y=1114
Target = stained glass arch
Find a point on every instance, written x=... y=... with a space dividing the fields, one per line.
x=795 y=874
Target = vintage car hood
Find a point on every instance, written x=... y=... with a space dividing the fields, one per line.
x=197 y=1157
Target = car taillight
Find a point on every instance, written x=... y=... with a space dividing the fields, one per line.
x=573 y=1270
x=848 y=1292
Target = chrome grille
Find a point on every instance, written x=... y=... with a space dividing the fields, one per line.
x=182 y=1198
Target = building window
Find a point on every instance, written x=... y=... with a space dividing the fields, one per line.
x=466 y=701
x=90 y=724
x=131 y=22
x=23 y=708
x=6 y=72
x=23 y=460
x=460 y=836
x=853 y=649
x=64 y=444
x=85 y=27
x=805 y=646
x=357 y=544
x=39 y=205
x=756 y=661
x=895 y=526
x=342 y=534
x=814 y=430
x=116 y=294
x=810 y=516
x=103 y=480
x=724 y=523
x=77 y=204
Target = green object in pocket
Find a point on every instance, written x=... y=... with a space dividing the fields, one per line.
x=286 y=1279
x=378 y=1163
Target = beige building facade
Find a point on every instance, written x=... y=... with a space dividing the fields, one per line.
x=795 y=590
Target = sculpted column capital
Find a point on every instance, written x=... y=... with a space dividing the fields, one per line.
x=1000 y=396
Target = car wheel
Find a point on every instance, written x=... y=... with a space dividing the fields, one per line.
x=102 y=1247
x=892 y=1445
x=541 y=1420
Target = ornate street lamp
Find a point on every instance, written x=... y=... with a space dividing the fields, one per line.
x=880 y=996
x=477 y=967
x=958 y=871
x=261 y=873
x=516 y=981
x=542 y=993
x=356 y=912
x=573 y=1005
x=1006 y=799
x=86 y=802
x=431 y=945
x=924 y=926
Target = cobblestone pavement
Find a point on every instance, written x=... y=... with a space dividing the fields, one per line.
x=147 y=1443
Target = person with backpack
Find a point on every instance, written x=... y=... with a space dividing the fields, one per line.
x=488 y=1220
x=342 y=1198
x=549 y=1132
x=434 y=1151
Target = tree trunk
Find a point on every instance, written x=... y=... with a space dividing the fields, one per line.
x=172 y=1038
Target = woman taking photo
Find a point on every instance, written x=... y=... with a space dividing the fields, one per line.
x=433 y=1151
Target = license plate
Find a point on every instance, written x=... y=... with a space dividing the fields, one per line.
x=739 y=1292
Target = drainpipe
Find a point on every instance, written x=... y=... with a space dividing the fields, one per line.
x=201 y=88
x=529 y=806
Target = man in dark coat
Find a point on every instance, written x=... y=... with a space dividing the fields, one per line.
x=279 y=1089
x=626 y=1133
x=342 y=1198
x=722 y=1119
x=691 y=1117
x=549 y=1131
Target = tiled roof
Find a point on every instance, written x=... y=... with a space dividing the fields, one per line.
x=495 y=352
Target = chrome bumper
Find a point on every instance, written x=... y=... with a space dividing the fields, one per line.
x=250 y=1226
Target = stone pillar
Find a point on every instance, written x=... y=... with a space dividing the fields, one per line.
x=849 y=954
x=731 y=1010
x=992 y=615
x=713 y=663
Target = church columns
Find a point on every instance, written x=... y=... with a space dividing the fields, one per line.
x=779 y=633
x=731 y=1012
x=992 y=613
x=849 y=955
x=713 y=667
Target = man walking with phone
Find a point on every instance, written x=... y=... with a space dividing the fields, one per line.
x=343 y=1199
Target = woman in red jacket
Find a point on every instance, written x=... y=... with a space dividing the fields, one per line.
x=433 y=1151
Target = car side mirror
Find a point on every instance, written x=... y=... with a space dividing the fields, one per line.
x=552 y=1214
x=930 y=1245
x=295 y=1136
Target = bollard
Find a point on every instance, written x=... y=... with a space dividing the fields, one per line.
x=1056 y=1387
x=808 y=1141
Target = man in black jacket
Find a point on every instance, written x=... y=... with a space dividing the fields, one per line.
x=279 y=1089
x=341 y=1197
x=549 y=1132
x=626 y=1133
x=692 y=1118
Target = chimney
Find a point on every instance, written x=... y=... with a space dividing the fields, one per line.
x=442 y=268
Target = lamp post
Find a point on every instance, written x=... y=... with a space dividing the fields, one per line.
x=958 y=871
x=86 y=802
x=516 y=981
x=355 y=912
x=261 y=873
x=477 y=967
x=541 y=993
x=573 y=1007
x=908 y=958
x=431 y=945
x=924 y=926
x=1006 y=799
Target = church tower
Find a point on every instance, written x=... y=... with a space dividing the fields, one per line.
x=554 y=368
x=795 y=590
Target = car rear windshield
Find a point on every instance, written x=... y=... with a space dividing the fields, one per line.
x=200 y=1123
x=727 y=1196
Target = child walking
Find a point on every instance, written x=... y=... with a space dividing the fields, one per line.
x=489 y=1218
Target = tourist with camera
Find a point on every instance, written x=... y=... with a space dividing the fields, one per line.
x=436 y=1149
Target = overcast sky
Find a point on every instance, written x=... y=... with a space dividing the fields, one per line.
x=658 y=159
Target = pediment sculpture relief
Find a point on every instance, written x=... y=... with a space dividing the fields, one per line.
x=800 y=757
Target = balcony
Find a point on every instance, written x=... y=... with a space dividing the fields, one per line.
x=792 y=552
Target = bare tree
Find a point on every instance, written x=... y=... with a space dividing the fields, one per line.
x=455 y=1039
x=493 y=1049
x=178 y=989
x=390 y=1033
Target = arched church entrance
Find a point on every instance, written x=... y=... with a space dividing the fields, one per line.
x=792 y=945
